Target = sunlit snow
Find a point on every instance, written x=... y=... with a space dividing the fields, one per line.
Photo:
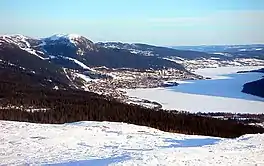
x=110 y=143
x=69 y=37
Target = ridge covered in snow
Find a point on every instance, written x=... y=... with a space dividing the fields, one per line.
x=68 y=36
x=80 y=42
x=39 y=46
x=22 y=42
x=72 y=38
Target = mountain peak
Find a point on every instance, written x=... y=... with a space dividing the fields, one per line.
x=66 y=36
x=81 y=43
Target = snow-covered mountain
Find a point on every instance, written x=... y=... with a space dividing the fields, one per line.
x=24 y=43
x=66 y=59
x=57 y=44
x=82 y=49
x=77 y=47
x=67 y=43
x=67 y=54
x=74 y=39
x=53 y=60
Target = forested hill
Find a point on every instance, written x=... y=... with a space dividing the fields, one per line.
x=255 y=87
x=65 y=49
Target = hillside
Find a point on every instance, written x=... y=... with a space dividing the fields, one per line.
x=194 y=57
x=32 y=98
x=60 y=48
x=77 y=62
x=255 y=87
x=151 y=50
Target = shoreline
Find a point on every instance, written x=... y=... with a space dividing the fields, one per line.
x=155 y=95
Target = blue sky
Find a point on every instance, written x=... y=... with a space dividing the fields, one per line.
x=160 y=22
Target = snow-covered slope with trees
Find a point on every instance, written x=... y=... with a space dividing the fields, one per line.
x=56 y=47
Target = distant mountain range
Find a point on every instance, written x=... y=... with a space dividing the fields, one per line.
x=156 y=51
x=235 y=51
x=72 y=50
x=69 y=49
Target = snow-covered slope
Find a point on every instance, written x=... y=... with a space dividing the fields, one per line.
x=61 y=50
x=82 y=65
x=40 y=47
x=23 y=42
x=109 y=143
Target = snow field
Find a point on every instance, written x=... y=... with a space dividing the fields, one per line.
x=110 y=143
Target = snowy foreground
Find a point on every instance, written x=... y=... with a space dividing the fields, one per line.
x=220 y=94
x=109 y=143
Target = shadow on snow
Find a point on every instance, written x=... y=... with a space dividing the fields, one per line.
x=94 y=162
x=195 y=142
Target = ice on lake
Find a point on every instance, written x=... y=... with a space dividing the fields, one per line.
x=230 y=86
x=222 y=93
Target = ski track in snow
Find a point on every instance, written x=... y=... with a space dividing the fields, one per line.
x=84 y=77
x=22 y=39
x=79 y=63
x=110 y=143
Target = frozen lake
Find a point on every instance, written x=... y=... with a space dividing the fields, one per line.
x=222 y=93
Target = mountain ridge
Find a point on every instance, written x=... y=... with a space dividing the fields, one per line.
x=83 y=50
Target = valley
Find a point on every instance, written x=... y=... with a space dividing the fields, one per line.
x=63 y=84
x=131 y=83
x=107 y=68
